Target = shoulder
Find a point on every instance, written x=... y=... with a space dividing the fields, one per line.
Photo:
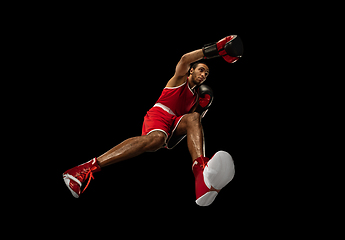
x=176 y=81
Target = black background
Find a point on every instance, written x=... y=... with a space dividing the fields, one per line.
x=83 y=76
x=102 y=72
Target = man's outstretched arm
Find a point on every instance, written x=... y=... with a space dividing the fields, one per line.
x=229 y=48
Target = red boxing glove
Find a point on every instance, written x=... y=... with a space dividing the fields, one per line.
x=221 y=49
x=230 y=48
x=204 y=101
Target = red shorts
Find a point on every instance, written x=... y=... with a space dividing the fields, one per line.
x=158 y=119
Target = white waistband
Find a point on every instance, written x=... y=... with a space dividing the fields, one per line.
x=165 y=108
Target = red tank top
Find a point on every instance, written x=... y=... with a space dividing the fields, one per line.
x=179 y=99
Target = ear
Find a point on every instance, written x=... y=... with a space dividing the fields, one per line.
x=191 y=71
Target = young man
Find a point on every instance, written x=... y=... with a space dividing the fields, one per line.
x=174 y=114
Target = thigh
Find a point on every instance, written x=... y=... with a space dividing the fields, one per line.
x=189 y=119
x=181 y=126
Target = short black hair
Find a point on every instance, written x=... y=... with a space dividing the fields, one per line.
x=195 y=65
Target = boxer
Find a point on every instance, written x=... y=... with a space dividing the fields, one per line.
x=176 y=114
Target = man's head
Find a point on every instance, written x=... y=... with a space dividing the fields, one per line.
x=198 y=74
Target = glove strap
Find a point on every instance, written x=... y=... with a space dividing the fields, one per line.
x=210 y=50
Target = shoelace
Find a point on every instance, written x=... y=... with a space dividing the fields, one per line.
x=203 y=163
x=89 y=172
x=86 y=173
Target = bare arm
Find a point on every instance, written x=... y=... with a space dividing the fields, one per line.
x=184 y=64
x=181 y=72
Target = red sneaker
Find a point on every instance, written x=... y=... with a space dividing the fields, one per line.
x=211 y=175
x=76 y=176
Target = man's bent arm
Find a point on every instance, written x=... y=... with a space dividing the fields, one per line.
x=185 y=61
x=183 y=67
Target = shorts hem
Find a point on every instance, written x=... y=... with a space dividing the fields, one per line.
x=173 y=131
x=161 y=130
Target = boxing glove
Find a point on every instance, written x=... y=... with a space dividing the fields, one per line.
x=230 y=48
x=205 y=99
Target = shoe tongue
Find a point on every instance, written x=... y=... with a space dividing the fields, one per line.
x=204 y=160
x=200 y=161
x=198 y=166
x=93 y=165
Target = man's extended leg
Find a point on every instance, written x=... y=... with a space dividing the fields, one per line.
x=75 y=177
x=132 y=147
x=191 y=125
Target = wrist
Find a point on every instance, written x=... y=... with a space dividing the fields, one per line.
x=210 y=50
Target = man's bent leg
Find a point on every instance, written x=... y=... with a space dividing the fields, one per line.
x=132 y=147
x=211 y=175
x=191 y=125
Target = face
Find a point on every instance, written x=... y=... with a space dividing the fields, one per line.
x=199 y=74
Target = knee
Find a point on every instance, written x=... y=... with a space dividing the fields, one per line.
x=193 y=118
x=155 y=141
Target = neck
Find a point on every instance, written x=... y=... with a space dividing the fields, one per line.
x=191 y=84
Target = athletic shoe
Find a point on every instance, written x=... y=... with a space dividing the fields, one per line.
x=211 y=175
x=76 y=176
